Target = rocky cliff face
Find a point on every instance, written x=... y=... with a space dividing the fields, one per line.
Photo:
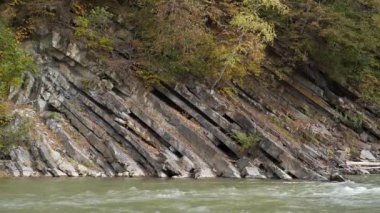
x=89 y=121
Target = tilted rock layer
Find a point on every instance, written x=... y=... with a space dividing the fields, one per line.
x=89 y=122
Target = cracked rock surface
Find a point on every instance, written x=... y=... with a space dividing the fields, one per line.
x=87 y=122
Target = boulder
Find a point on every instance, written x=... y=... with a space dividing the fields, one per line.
x=252 y=172
x=248 y=169
x=337 y=177
x=367 y=155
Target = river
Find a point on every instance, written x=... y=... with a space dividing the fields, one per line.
x=71 y=195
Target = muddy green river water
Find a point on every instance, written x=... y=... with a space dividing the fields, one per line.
x=214 y=195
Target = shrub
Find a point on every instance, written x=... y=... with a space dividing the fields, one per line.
x=14 y=61
x=351 y=119
x=214 y=42
x=14 y=130
x=246 y=140
x=339 y=38
x=5 y=113
x=93 y=27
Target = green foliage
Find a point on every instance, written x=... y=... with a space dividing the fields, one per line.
x=228 y=91
x=93 y=27
x=15 y=2
x=351 y=119
x=86 y=84
x=53 y=115
x=13 y=129
x=340 y=38
x=150 y=77
x=246 y=140
x=177 y=43
x=5 y=113
x=246 y=37
x=14 y=61
x=10 y=136
x=174 y=40
x=216 y=41
x=251 y=23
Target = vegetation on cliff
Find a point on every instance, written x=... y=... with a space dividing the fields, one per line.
x=216 y=41
x=207 y=41
x=13 y=129
x=258 y=78
x=14 y=61
x=338 y=38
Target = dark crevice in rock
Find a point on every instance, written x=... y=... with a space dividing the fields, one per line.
x=169 y=102
x=78 y=125
x=229 y=148
x=165 y=99
x=225 y=149
x=156 y=136
x=318 y=78
x=272 y=159
x=251 y=99
x=91 y=99
x=143 y=162
x=229 y=119
x=188 y=103
x=299 y=95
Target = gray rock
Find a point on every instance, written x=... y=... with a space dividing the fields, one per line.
x=82 y=170
x=364 y=171
x=120 y=121
x=121 y=157
x=278 y=171
x=46 y=95
x=23 y=161
x=71 y=147
x=41 y=30
x=252 y=172
x=288 y=162
x=23 y=95
x=367 y=155
x=364 y=136
x=310 y=151
x=248 y=169
x=73 y=52
x=4 y=172
x=56 y=38
x=115 y=126
x=337 y=177
x=343 y=155
x=203 y=173
x=41 y=104
x=11 y=166
x=49 y=156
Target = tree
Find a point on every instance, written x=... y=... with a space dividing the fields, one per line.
x=247 y=35
x=177 y=40
x=14 y=61
x=338 y=38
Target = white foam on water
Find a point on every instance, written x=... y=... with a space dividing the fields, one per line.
x=133 y=188
x=170 y=194
x=352 y=191
x=199 y=209
x=17 y=204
